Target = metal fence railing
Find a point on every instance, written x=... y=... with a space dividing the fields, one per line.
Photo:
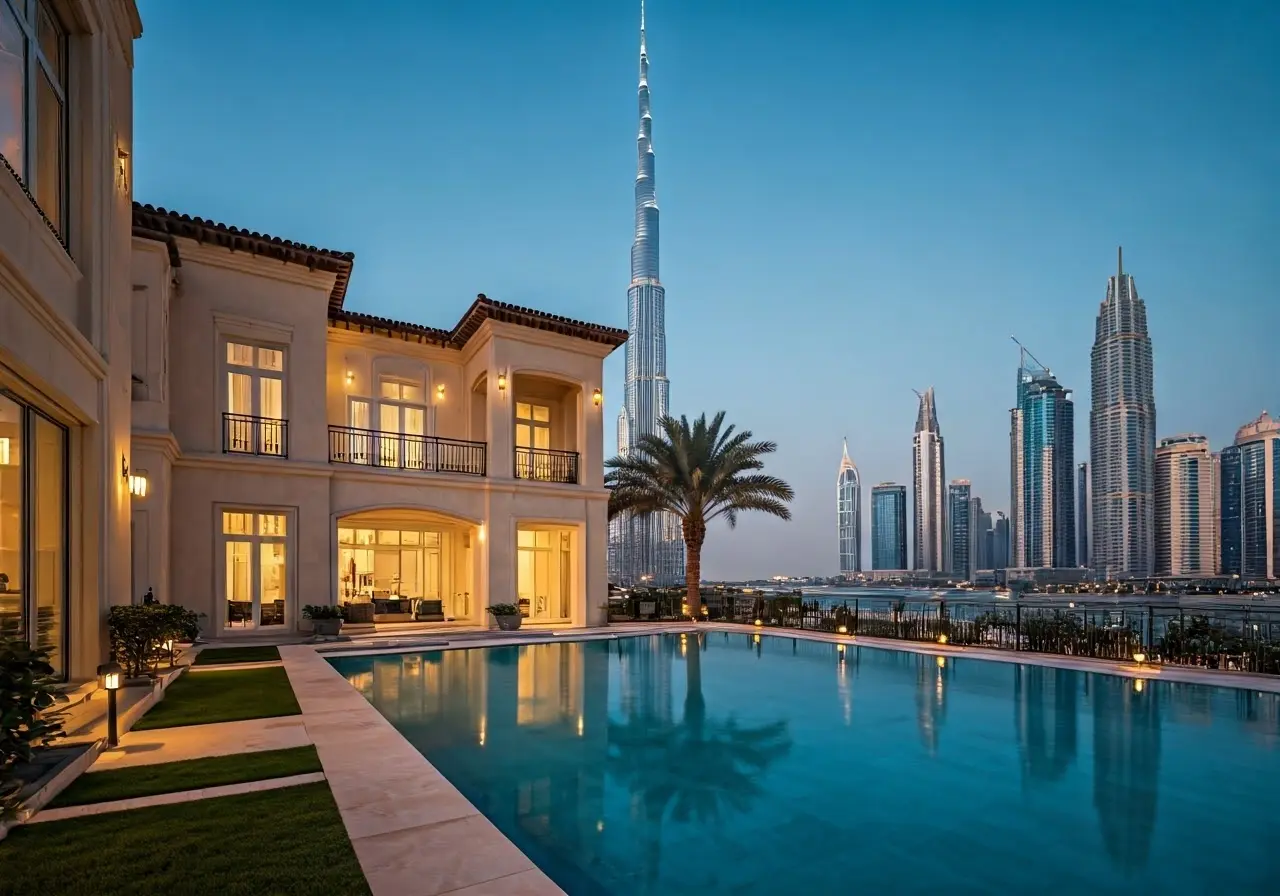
x=1235 y=637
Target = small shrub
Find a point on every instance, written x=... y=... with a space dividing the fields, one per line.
x=138 y=633
x=28 y=690
x=322 y=611
x=504 y=609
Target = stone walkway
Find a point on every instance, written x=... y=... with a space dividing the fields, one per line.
x=413 y=832
x=169 y=799
x=157 y=745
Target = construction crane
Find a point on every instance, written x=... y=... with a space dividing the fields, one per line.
x=1026 y=353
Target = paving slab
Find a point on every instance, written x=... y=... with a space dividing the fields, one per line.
x=157 y=745
x=169 y=799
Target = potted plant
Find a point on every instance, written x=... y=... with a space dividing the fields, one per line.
x=507 y=616
x=326 y=620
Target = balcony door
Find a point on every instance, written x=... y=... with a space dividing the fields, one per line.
x=254 y=548
x=255 y=399
x=533 y=435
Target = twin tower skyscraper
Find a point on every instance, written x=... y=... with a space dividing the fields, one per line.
x=645 y=550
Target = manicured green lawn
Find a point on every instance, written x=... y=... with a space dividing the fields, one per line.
x=287 y=842
x=218 y=656
x=198 y=698
x=191 y=774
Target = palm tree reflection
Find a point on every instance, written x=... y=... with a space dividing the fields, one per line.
x=696 y=770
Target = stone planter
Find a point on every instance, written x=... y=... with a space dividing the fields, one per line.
x=326 y=628
x=508 y=623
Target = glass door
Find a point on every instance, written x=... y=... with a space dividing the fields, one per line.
x=255 y=556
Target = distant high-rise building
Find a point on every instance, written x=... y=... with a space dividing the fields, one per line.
x=647 y=548
x=1250 y=494
x=1000 y=543
x=1042 y=504
x=959 y=529
x=849 y=515
x=1186 y=507
x=1122 y=434
x=929 y=490
x=889 y=526
x=1084 y=511
x=980 y=520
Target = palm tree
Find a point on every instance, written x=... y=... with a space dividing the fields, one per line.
x=697 y=473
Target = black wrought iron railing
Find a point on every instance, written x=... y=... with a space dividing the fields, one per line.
x=246 y=434
x=398 y=451
x=547 y=465
x=1215 y=636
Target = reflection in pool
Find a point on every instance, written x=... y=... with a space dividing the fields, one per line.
x=730 y=762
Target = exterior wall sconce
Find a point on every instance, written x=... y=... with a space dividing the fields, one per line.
x=597 y=398
x=124 y=467
x=138 y=484
x=351 y=379
x=480 y=533
x=502 y=382
x=440 y=392
x=122 y=169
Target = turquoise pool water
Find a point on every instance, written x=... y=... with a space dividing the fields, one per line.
x=730 y=763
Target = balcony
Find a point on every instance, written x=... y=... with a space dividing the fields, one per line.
x=547 y=465
x=263 y=436
x=397 y=451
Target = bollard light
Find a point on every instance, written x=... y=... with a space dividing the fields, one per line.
x=109 y=674
x=168 y=647
x=1139 y=658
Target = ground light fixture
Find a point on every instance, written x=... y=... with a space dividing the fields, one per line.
x=168 y=648
x=759 y=622
x=842 y=629
x=942 y=639
x=1139 y=658
x=109 y=674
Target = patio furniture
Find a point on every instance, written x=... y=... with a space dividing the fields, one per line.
x=428 y=610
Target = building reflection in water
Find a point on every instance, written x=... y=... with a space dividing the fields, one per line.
x=1126 y=766
x=932 y=676
x=1046 y=721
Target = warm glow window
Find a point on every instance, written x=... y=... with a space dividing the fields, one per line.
x=543 y=573
x=255 y=398
x=33 y=103
x=254 y=548
x=33 y=528
x=533 y=426
x=393 y=570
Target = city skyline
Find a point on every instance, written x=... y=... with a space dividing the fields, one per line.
x=781 y=245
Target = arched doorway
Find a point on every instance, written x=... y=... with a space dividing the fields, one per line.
x=406 y=565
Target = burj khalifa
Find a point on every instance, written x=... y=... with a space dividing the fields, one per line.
x=645 y=550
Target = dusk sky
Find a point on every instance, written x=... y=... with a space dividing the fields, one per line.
x=857 y=198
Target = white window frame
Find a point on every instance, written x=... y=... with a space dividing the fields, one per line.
x=27 y=15
x=221 y=539
x=268 y=428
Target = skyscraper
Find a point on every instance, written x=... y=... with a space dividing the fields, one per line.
x=960 y=529
x=889 y=526
x=1042 y=505
x=1122 y=434
x=980 y=520
x=849 y=515
x=1084 y=512
x=1186 y=507
x=645 y=548
x=1000 y=543
x=929 y=489
x=1250 y=483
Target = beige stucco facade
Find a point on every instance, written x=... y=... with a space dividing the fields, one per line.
x=293 y=452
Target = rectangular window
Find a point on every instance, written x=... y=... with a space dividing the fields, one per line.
x=33 y=529
x=543 y=574
x=402 y=424
x=33 y=102
x=255 y=548
x=254 y=421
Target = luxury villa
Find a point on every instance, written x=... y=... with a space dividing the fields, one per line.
x=190 y=408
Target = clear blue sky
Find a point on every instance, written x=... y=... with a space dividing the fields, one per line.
x=857 y=198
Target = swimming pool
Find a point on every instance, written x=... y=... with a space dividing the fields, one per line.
x=738 y=763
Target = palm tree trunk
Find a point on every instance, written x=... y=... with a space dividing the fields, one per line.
x=695 y=532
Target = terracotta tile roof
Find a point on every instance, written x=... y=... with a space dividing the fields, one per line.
x=482 y=309
x=161 y=224
x=151 y=222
